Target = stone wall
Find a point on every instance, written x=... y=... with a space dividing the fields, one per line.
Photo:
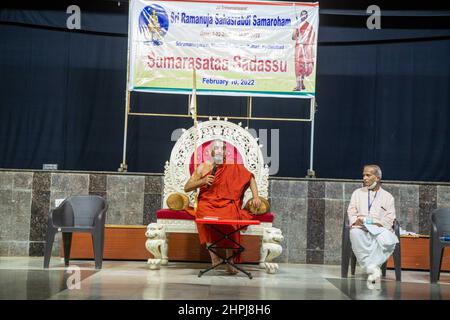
x=26 y=198
x=309 y=211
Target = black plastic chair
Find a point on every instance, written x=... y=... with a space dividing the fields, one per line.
x=77 y=214
x=348 y=255
x=440 y=227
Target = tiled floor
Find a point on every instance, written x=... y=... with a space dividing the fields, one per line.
x=24 y=278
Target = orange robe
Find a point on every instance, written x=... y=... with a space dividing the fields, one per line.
x=223 y=199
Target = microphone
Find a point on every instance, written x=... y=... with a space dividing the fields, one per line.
x=213 y=172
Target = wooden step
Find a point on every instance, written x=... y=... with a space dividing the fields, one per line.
x=128 y=243
x=415 y=253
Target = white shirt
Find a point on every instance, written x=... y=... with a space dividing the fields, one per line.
x=381 y=203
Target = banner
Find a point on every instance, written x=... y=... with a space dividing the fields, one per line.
x=244 y=48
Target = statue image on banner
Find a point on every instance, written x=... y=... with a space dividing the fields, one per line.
x=154 y=23
x=304 y=37
x=154 y=27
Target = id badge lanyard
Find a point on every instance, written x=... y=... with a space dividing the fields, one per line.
x=369 y=205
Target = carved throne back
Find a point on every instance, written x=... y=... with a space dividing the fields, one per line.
x=179 y=168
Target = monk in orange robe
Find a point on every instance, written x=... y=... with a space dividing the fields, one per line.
x=221 y=196
x=305 y=38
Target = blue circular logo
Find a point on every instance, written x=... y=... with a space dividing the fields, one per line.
x=154 y=23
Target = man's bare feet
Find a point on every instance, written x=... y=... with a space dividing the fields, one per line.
x=216 y=260
x=231 y=270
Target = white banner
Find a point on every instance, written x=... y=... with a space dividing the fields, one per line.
x=246 y=48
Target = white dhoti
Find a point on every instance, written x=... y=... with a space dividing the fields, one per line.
x=372 y=248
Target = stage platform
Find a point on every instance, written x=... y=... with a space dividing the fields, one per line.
x=24 y=278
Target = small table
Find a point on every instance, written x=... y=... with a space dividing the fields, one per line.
x=213 y=246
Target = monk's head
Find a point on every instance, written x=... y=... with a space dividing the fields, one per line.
x=218 y=148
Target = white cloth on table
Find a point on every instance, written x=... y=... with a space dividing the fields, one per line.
x=404 y=232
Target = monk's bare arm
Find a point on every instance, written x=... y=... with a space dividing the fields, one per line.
x=254 y=189
x=196 y=180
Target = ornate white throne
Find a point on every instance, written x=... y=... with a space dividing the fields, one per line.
x=177 y=172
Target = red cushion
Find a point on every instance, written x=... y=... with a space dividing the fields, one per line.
x=183 y=215
x=266 y=217
x=173 y=214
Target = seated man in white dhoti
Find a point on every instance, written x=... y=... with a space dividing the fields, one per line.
x=371 y=215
